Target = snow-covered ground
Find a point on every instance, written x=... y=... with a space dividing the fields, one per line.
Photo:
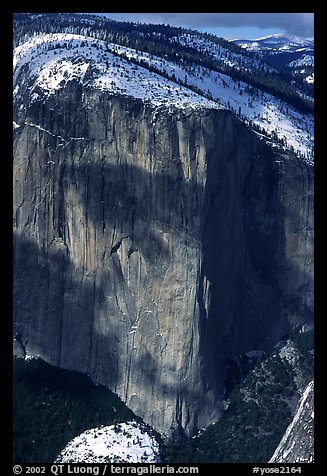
x=53 y=63
x=54 y=59
x=121 y=443
x=225 y=56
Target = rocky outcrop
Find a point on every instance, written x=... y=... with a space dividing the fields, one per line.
x=151 y=245
x=297 y=444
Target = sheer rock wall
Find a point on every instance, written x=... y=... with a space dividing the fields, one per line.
x=152 y=244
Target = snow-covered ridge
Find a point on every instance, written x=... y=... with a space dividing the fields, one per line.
x=222 y=54
x=52 y=60
x=55 y=59
x=121 y=443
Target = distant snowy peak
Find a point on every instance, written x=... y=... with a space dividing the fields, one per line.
x=276 y=42
x=127 y=442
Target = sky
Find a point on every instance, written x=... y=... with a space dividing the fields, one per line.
x=230 y=25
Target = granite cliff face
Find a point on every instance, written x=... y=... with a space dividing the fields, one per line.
x=150 y=245
x=297 y=444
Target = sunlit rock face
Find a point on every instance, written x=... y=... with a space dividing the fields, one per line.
x=297 y=444
x=152 y=244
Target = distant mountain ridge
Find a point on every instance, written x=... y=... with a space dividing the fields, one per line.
x=277 y=42
x=288 y=53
